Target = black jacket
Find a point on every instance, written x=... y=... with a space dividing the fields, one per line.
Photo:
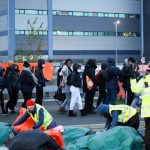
x=32 y=140
x=12 y=77
x=27 y=82
x=89 y=70
x=2 y=79
x=75 y=76
x=39 y=72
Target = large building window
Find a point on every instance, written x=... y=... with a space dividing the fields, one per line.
x=77 y=13
x=79 y=33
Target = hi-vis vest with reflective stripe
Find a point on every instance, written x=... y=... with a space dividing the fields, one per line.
x=126 y=112
x=139 y=88
x=47 y=117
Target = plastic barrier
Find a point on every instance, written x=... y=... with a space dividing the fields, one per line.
x=28 y=124
x=47 y=70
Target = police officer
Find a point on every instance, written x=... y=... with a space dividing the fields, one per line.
x=119 y=115
x=142 y=87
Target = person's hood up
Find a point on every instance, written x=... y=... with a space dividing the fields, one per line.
x=111 y=61
x=91 y=63
x=1 y=68
x=76 y=66
x=40 y=63
x=103 y=109
x=13 y=67
x=104 y=65
x=62 y=64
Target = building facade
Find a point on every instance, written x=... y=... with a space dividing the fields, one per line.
x=73 y=28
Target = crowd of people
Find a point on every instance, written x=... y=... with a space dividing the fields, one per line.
x=70 y=81
x=26 y=81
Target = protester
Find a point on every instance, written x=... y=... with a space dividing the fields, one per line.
x=2 y=86
x=101 y=83
x=39 y=114
x=76 y=83
x=89 y=85
x=65 y=72
x=32 y=140
x=9 y=63
x=41 y=81
x=142 y=87
x=119 y=115
x=112 y=76
x=12 y=78
x=28 y=82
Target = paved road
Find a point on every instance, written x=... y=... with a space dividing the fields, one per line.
x=62 y=119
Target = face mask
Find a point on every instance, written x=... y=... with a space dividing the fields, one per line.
x=43 y=65
x=78 y=70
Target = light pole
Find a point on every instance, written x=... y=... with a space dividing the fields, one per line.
x=116 y=23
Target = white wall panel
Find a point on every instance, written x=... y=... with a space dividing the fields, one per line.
x=3 y=5
x=3 y=23
x=3 y=43
x=118 y=6
x=94 y=43
x=21 y=21
x=31 y=4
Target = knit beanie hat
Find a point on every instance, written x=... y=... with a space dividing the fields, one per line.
x=10 y=62
x=26 y=64
x=30 y=102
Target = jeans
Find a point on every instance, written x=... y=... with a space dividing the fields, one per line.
x=111 y=97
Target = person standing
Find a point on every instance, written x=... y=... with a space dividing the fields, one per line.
x=12 y=78
x=65 y=72
x=2 y=86
x=89 y=73
x=75 y=82
x=41 y=81
x=28 y=82
x=142 y=87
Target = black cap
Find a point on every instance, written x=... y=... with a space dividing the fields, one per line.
x=26 y=64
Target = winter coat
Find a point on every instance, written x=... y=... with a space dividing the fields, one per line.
x=89 y=70
x=75 y=77
x=27 y=81
x=39 y=73
x=12 y=77
x=2 y=79
x=112 y=84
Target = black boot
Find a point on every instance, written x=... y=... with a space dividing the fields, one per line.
x=83 y=113
x=72 y=114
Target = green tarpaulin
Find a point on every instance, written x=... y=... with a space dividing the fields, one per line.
x=118 y=138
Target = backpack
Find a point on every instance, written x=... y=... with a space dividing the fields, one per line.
x=89 y=83
x=109 y=73
x=99 y=77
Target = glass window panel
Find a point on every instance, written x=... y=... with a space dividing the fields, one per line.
x=45 y=12
x=116 y=15
x=54 y=33
x=106 y=33
x=54 y=12
x=95 y=33
x=78 y=33
x=100 y=14
x=122 y=16
x=70 y=13
x=77 y=13
x=90 y=33
x=86 y=14
x=44 y=32
x=64 y=13
x=40 y=32
x=95 y=14
x=106 y=15
x=62 y=33
x=17 y=32
x=70 y=33
x=21 y=32
x=17 y=11
x=132 y=16
x=40 y=12
x=90 y=14
x=111 y=33
x=111 y=15
x=22 y=11
x=86 y=33
x=100 y=33
x=27 y=32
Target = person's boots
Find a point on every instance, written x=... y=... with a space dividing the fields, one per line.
x=72 y=114
x=83 y=113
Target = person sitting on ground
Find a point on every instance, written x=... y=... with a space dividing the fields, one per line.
x=119 y=115
x=33 y=140
x=39 y=114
